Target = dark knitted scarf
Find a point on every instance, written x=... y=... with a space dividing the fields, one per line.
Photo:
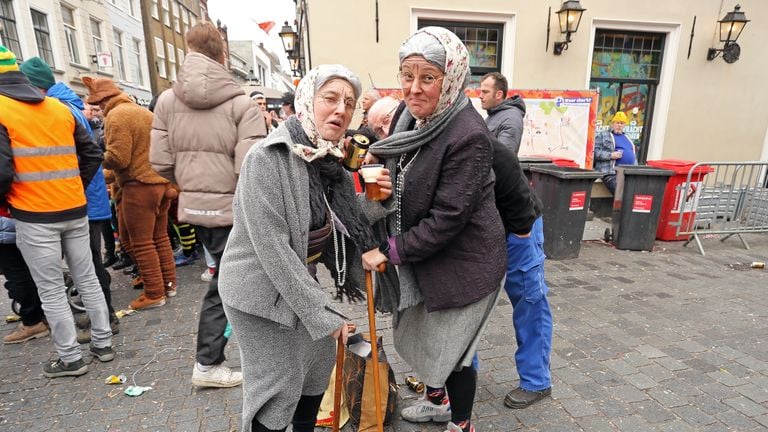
x=328 y=178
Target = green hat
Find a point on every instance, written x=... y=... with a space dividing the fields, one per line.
x=7 y=60
x=38 y=72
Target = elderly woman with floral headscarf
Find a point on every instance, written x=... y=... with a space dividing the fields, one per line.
x=443 y=231
x=294 y=206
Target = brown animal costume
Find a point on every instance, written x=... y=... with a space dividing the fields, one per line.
x=146 y=196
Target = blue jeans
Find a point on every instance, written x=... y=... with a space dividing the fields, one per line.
x=531 y=316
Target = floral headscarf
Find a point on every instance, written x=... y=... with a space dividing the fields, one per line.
x=305 y=111
x=456 y=67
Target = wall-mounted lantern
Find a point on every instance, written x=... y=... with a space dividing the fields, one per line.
x=569 y=16
x=731 y=26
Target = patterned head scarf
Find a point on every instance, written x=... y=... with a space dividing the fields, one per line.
x=444 y=49
x=305 y=111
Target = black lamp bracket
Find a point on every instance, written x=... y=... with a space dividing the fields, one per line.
x=730 y=52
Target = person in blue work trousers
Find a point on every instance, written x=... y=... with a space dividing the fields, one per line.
x=520 y=211
x=612 y=148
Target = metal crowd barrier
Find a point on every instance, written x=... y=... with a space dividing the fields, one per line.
x=732 y=199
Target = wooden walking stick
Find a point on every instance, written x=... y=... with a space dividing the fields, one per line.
x=374 y=348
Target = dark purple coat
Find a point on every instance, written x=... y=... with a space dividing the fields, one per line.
x=452 y=232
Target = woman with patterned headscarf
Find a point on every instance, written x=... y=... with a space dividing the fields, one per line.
x=294 y=206
x=443 y=231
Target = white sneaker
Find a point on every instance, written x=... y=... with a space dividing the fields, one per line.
x=424 y=411
x=217 y=376
x=207 y=275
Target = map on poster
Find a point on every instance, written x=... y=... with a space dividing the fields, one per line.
x=557 y=123
x=560 y=124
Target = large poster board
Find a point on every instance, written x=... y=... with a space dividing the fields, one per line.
x=557 y=122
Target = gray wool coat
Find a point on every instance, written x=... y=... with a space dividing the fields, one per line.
x=263 y=269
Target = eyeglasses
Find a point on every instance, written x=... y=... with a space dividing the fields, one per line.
x=386 y=121
x=332 y=100
x=426 y=80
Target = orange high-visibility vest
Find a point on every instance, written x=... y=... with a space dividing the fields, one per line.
x=47 y=177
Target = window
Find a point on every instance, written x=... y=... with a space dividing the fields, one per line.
x=96 y=36
x=98 y=41
x=132 y=7
x=180 y=53
x=171 y=63
x=160 y=52
x=68 y=15
x=118 y=54
x=627 y=55
x=8 y=35
x=166 y=13
x=42 y=36
x=176 y=17
x=483 y=41
x=185 y=19
x=626 y=68
x=136 y=74
x=154 y=10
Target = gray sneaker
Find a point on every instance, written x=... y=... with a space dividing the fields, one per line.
x=58 y=368
x=105 y=354
x=425 y=411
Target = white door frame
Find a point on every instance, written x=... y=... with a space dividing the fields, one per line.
x=666 y=78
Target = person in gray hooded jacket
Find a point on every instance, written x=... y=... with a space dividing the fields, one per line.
x=505 y=116
x=294 y=207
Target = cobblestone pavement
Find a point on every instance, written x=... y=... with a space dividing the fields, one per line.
x=662 y=341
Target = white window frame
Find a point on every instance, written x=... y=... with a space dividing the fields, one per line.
x=118 y=57
x=138 y=75
x=176 y=17
x=160 y=53
x=166 y=13
x=154 y=9
x=70 y=33
x=14 y=19
x=171 y=62
x=49 y=48
x=185 y=19
x=180 y=56
x=97 y=40
x=509 y=21
x=132 y=8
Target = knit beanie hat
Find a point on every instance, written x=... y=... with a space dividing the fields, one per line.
x=620 y=117
x=38 y=72
x=100 y=89
x=7 y=60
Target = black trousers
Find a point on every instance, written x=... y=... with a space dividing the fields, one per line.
x=95 y=230
x=108 y=232
x=213 y=321
x=20 y=285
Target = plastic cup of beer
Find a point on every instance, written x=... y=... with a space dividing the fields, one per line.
x=372 y=189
